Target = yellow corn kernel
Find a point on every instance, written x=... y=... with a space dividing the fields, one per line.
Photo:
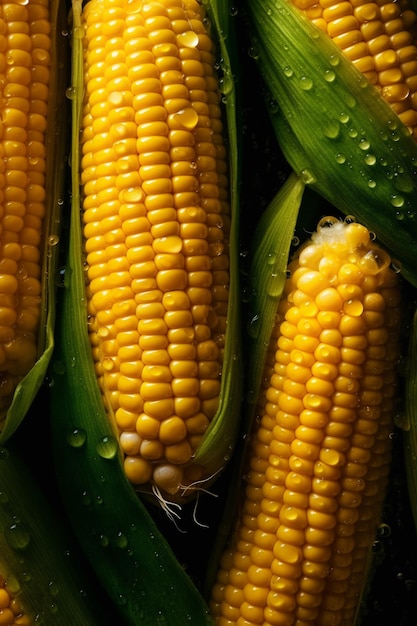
x=379 y=37
x=322 y=448
x=11 y=612
x=24 y=76
x=156 y=227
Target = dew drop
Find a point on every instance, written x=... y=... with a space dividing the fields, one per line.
x=17 y=536
x=78 y=32
x=77 y=438
x=329 y=76
x=370 y=159
x=364 y=144
x=288 y=71
x=253 y=326
x=53 y=588
x=186 y=118
x=397 y=201
x=121 y=541
x=107 y=447
x=132 y=194
x=53 y=240
x=384 y=531
x=306 y=83
x=189 y=39
x=86 y=498
x=307 y=177
x=332 y=130
x=353 y=308
x=340 y=158
x=70 y=92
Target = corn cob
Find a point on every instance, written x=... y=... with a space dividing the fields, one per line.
x=380 y=40
x=24 y=75
x=32 y=90
x=132 y=559
x=319 y=458
x=156 y=225
x=334 y=127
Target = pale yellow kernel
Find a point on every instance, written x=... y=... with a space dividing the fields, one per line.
x=168 y=477
x=130 y=443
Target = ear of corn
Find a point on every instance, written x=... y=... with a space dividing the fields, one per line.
x=42 y=578
x=319 y=455
x=32 y=144
x=410 y=423
x=335 y=129
x=157 y=229
x=134 y=562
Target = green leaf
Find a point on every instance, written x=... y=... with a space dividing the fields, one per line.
x=271 y=247
x=37 y=559
x=221 y=435
x=336 y=130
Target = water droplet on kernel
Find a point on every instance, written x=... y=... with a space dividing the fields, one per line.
x=189 y=39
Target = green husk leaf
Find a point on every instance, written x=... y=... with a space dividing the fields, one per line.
x=37 y=560
x=221 y=435
x=336 y=130
x=270 y=252
x=56 y=144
